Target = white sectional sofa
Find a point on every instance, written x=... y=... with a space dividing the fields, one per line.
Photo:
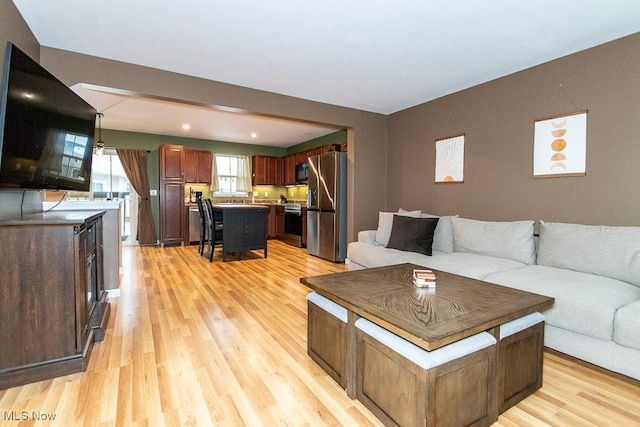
x=593 y=272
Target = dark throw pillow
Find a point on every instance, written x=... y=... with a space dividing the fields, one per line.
x=412 y=234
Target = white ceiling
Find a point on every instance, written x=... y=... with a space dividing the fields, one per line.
x=135 y=113
x=376 y=55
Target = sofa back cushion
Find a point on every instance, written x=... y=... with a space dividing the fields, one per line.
x=385 y=223
x=596 y=249
x=511 y=240
x=442 y=237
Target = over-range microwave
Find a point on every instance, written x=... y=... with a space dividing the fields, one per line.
x=302 y=173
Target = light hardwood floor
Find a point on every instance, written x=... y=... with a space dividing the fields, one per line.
x=196 y=343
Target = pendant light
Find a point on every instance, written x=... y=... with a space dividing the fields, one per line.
x=99 y=147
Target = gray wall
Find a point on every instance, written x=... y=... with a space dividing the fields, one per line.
x=14 y=29
x=497 y=119
x=367 y=131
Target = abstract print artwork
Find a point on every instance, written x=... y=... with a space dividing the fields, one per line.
x=559 y=145
x=450 y=159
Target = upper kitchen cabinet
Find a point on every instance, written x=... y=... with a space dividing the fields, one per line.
x=264 y=170
x=197 y=166
x=172 y=161
x=289 y=166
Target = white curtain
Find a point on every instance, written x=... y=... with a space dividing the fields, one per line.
x=244 y=174
x=215 y=183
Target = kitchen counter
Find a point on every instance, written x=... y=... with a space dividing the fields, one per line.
x=245 y=227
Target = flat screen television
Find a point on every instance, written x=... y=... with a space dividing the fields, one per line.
x=46 y=129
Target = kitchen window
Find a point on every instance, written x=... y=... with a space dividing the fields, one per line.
x=230 y=172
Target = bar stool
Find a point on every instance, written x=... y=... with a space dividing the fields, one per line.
x=214 y=228
x=203 y=226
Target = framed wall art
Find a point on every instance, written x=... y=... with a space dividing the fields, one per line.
x=560 y=145
x=450 y=159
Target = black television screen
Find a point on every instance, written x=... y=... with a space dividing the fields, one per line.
x=46 y=129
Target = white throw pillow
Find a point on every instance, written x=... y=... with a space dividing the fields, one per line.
x=443 y=236
x=385 y=223
x=608 y=251
x=511 y=240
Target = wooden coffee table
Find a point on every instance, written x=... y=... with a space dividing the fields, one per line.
x=430 y=318
x=457 y=308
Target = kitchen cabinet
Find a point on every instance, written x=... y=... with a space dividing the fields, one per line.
x=290 y=169
x=172 y=163
x=263 y=169
x=272 y=222
x=197 y=166
x=52 y=299
x=279 y=171
x=279 y=221
x=172 y=212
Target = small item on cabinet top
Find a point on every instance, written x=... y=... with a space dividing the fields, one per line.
x=283 y=198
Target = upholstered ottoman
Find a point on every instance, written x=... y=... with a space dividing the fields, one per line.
x=520 y=354
x=405 y=385
x=327 y=336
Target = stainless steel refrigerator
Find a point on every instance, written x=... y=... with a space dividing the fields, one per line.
x=327 y=206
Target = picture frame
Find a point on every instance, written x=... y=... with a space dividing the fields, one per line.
x=450 y=160
x=559 y=145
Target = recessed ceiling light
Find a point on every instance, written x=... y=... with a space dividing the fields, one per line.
x=186 y=126
x=254 y=135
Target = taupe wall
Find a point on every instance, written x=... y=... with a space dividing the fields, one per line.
x=497 y=119
x=367 y=166
x=14 y=29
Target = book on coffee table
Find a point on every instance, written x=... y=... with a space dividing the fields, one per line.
x=424 y=278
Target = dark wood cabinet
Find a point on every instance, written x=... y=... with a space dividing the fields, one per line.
x=171 y=163
x=52 y=299
x=172 y=166
x=171 y=212
x=279 y=221
x=197 y=166
x=279 y=171
x=290 y=169
x=263 y=169
x=272 y=222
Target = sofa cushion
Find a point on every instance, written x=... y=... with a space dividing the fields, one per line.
x=512 y=240
x=603 y=250
x=443 y=236
x=626 y=327
x=584 y=303
x=385 y=223
x=370 y=256
x=412 y=234
x=469 y=265
x=464 y=264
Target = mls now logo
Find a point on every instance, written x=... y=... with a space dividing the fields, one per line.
x=26 y=415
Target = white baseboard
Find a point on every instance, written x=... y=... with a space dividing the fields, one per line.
x=113 y=293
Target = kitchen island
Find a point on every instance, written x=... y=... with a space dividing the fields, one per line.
x=244 y=227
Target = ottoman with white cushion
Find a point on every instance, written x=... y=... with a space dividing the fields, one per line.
x=405 y=385
x=327 y=336
x=520 y=354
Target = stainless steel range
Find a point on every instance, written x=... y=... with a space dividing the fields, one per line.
x=293 y=224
